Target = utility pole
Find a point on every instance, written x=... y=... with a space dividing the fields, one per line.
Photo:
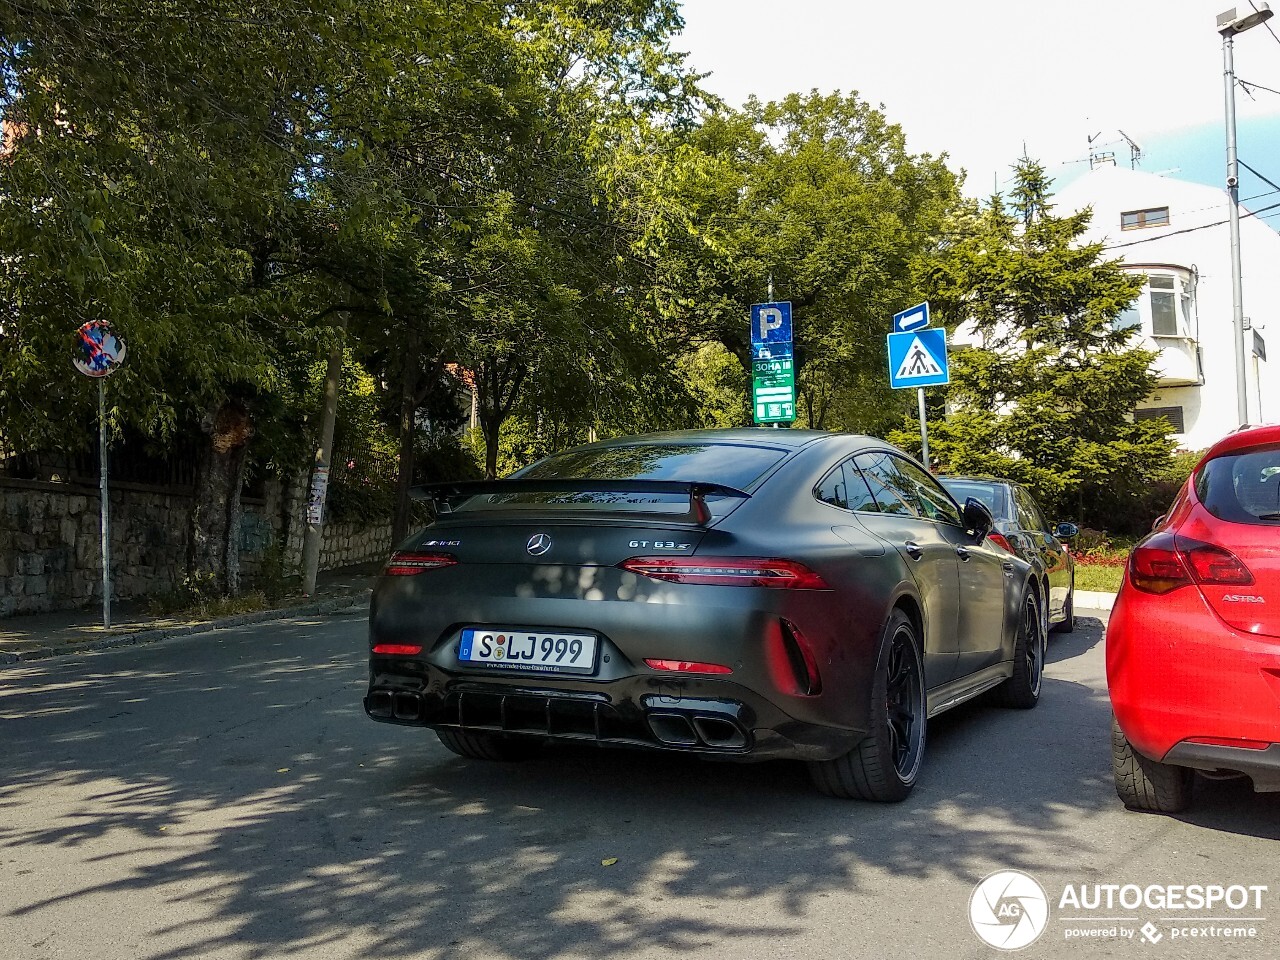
x=1228 y=26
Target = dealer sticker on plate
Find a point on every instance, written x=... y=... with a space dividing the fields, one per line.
x=535 y=651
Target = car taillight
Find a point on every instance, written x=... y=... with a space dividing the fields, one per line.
x=1000 y=541
x=409 y=563
x=398 y=649
x=1165 y=562
x=728 y=572
x=687 y=666
x=1213 y=564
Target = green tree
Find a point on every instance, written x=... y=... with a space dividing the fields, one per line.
x=1047 y=395
x=820 y=193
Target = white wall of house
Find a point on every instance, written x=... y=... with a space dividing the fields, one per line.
x=1185 y=312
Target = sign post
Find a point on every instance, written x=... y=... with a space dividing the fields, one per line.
x=918 y=358
x=98 y=352
x=773 y=376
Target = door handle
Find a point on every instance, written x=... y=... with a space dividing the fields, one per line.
x=963 y=553
x=913 y=548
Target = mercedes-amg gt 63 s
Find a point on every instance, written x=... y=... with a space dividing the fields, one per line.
x=739 y=594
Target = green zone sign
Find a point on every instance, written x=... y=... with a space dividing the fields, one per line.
x=773 y=390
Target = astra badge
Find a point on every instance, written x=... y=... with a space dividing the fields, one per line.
x=538 y=544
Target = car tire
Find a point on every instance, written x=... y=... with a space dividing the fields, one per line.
x=885 y=764
x=1144 y=784
x=1068 y=624
x=485 y=746
x=1022 y=690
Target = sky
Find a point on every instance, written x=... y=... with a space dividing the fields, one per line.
x=979 y=79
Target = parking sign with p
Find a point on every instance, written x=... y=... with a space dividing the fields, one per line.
x=770 y=323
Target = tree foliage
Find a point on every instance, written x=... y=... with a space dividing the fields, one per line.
x=1047 y=394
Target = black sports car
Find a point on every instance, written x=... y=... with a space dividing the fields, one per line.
x=743 y=594
x=1020 y=526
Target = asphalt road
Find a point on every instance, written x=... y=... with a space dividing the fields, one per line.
x=224 y=796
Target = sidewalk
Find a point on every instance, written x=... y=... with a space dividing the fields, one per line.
x=42 y=635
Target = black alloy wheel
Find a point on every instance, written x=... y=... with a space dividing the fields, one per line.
x=884 y=766
x=1022 y=690
x=904 y=705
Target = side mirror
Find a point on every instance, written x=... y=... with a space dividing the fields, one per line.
x=1066 y=531
x=977 y=518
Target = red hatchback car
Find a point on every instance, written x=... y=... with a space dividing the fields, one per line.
x=1193 y=643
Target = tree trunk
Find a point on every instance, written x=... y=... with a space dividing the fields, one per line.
x=407 y=429
x=213 y=545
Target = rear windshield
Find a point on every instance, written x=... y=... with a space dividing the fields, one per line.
x=992 y=495
x=1242 y=487
x=734 y=465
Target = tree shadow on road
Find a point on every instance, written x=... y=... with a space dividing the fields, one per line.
x=261 y=811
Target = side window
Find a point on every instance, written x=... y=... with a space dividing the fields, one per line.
x=889 y=489
x=1029 y=517
x=934 y=502
x=860 y=496
x=832 y=489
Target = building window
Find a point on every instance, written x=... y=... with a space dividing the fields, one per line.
x=1172 y=414
x=1137 y=219
x=1164 y=308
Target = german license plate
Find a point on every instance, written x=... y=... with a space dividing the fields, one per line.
x=537 y=651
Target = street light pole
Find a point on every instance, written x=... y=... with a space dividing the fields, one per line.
x=1229 y=25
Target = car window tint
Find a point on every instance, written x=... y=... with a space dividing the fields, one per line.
x=1242 y=487
x=832 y=489
x=992 y=495
x=732 y=464
x=889 y=489
x=1035 y=519
x=931 y=499
x=860 y=496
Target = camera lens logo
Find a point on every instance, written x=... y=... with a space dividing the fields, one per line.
x=1009 y=910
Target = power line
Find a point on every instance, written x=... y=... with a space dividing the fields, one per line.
x=1249 y=85
x=1203 y=226
x=1265 y=24
x=1257 y=174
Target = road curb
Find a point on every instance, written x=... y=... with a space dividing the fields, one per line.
x=1093 y=600
x=136 y=637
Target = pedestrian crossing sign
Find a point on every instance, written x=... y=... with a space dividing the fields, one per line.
x=918 y=358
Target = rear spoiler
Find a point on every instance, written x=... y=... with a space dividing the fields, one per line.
x=697 y=492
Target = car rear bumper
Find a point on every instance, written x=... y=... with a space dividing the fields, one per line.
x=693 y=715
x=1261 y=766
x=1177 y=672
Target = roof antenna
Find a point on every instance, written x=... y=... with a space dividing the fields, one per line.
x=1135 y=151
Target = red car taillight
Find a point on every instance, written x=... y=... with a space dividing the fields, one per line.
x=1165 y=562
x=687 y=666
x=410 y=563
x=728 y=572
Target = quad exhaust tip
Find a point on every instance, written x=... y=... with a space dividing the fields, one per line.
x=387 y=705
x=683 y=730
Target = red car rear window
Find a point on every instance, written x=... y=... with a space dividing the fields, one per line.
x=1242 y=487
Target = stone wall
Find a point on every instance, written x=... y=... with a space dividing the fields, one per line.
x=50 y=542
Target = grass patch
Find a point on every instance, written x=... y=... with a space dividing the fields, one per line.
x=1097 y=577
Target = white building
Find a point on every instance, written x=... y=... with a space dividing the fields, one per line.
x=1176 y=233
